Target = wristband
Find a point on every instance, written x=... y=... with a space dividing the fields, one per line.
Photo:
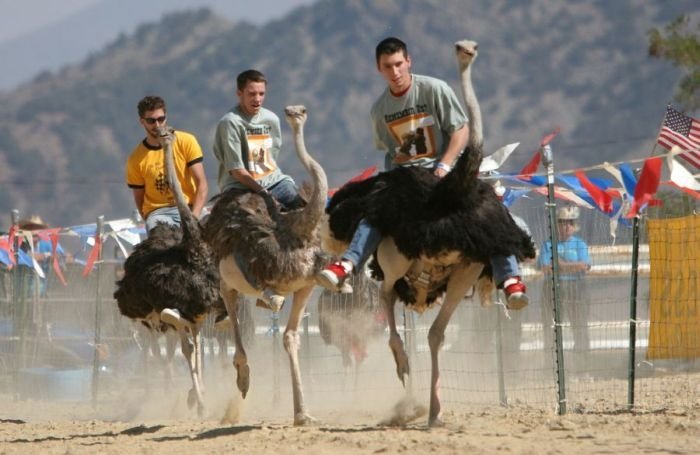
x=445 y=167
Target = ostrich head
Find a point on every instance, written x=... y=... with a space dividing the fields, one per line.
x=296 y=116
x=466 y=51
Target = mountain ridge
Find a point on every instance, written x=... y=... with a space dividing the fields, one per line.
x=542 y=64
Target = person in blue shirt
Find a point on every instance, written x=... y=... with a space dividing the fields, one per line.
x=574 y=263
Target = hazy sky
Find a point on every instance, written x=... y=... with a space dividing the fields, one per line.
x=21 y=17
x=38 y=35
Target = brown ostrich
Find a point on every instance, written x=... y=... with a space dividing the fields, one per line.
x=437 y=234
x=170 y=280
x=260 y=247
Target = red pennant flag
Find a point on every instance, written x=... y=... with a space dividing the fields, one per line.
x=600 y=197
x=690 y=191
x=548 y=138
x=367 y=173
x=56 y=265
x=11 y=243
x=94 y=254
x=647 y=185
x=532 y=166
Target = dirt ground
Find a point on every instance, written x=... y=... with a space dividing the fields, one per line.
x=25 y=428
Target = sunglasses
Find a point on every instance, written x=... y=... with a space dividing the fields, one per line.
x=153 y=120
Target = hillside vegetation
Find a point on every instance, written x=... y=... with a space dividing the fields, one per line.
x=583 y=66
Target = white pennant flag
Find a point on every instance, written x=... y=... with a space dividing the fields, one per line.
x=680 y=175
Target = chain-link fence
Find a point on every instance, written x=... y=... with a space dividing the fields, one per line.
x=68 y=343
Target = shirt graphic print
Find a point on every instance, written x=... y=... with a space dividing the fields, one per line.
x=260 y=160
x=414 y=134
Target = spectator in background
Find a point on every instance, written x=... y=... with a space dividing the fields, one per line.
x=42 y=251
x=146 y=174
x=574 y=263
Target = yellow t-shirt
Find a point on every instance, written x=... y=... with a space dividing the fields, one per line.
x=145 y=168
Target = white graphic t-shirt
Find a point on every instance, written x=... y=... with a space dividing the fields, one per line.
x=251 y=143
x=414 y=129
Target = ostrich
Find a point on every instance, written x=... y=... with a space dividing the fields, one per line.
x=171 y=281
x=261 y=247
x=350 y=320
x=437 y=234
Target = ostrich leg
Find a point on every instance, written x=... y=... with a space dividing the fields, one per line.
x=394 y=265
x=240 y=359
x=291 y=345
x=190 y=344
x=461 y=279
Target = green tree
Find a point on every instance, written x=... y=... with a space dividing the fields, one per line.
x=678 y=44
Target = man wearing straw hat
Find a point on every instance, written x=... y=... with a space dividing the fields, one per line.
x=40 y=248
x=574 y=262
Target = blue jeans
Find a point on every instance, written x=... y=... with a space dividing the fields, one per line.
x=364 y=242
x=286 y=193
x=169 y=215
x=504 y=267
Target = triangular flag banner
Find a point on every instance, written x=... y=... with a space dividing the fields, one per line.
x=497 y=158
x=367 y=173
x=56 y=265
x=600 y=197
x=11 y=243
x=548 y=138
x=646 y=186
x=680 y=175
x=94 y=254
x=531 y=167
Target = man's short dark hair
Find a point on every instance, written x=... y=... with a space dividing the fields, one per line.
x=150 y=103
x=390 y=46
x=249 y=76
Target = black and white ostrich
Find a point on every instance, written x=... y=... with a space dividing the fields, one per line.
x=437 y=234
x=171 y=282
x=259 y=247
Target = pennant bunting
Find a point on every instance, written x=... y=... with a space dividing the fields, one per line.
x=548 y=138
x=646 y=186
x=531 y=167
x=680 y=175
x=497 y=158
x=602 y=199
x=56 y=265
x=364 y=175
x=94 y=254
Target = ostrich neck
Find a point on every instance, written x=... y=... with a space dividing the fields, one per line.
x=311 y=214
x=187 y=220
x=476 y=133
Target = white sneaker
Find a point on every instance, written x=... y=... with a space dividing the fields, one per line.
x=172 y=316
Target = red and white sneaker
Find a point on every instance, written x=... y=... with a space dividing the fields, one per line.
x=515 y=290
x=333 y=276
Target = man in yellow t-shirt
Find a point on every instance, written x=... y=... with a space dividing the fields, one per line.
x=146 y=174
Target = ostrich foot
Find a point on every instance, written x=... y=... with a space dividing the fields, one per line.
x=172 y=316
x=436 y=422
x=194 y=398
x=242 y=377
x=401 y=359
x=272 y=300
x=404 y=412
x=302 y=419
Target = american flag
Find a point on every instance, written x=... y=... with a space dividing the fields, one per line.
x=683 y=131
